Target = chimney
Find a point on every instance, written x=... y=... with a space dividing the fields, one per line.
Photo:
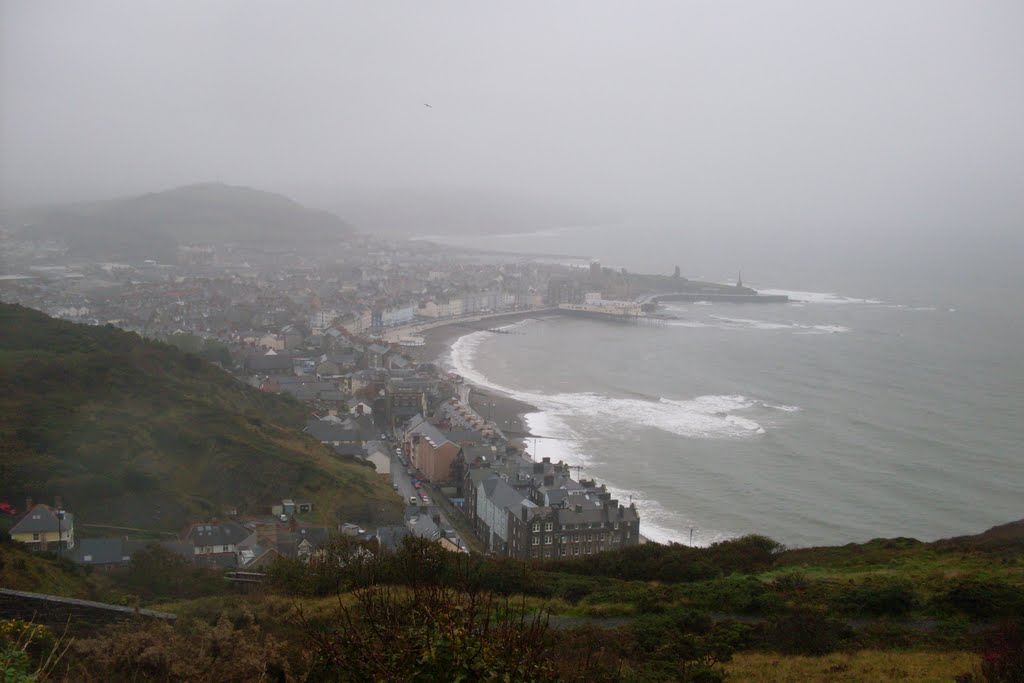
x=29 y=503
x=604 y=495
x=538 y=467
x=524 y=513
x=57 y=502
x=547 y=461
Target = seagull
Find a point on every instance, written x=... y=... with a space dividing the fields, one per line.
x=427 y=105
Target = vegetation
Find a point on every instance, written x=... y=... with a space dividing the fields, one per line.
x=139 y=434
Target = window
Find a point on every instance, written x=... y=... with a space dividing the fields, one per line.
x=35 y=536
x=536 y=540
x=223 y=548
x=547 y=526
x=615 y=525
x=536 y=526
x=547 y=539
x=576 y=550
x=576 y=538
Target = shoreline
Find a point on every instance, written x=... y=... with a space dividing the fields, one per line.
x=489 y=403
x=507 y=412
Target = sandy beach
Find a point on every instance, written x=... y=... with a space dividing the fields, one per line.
x=503 y=410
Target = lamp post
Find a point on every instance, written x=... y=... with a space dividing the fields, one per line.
x=691 y=536
x=60 y=532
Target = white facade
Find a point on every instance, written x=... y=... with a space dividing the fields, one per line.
x=392 y=317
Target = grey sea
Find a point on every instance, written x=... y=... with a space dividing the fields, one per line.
x=843 y=416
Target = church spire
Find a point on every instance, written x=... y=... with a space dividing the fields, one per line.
x=739 y=279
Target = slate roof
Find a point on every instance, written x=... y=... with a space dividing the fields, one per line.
x=501 y=494
x=225 y=533
x=323 y=430
x=102 y=551
x=263 y=362
x=42 y=518
x=391 y=537
x=431 y=434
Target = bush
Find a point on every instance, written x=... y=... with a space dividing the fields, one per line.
x=805 y=634
x=885 y=598
x=982 y=599
x=156 y=651
x=1002 y=659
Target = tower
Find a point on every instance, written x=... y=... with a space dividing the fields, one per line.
x=739 y=280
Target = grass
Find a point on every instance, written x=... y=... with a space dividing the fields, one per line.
x=866 y=665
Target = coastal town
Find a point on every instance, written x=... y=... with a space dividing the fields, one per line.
x=358 y=338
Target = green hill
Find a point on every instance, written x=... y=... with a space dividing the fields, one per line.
x=151 y=226
x=139 y=434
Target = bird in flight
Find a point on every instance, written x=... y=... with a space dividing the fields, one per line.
x=427 y=105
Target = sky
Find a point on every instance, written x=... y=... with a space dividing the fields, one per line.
x=800 y=119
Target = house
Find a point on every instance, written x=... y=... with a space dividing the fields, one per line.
x=587 y=523
x=102 y=552
x=379 y=454
x=430 y=451
x=218 y=544
x=45 y=528
x=357 y=406
x=390 y=538
x=334 y=432
x=270 y=363
x=293 y=336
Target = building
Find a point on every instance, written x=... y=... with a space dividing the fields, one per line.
x=45 y=528
x=584 y=524
x=430 y=451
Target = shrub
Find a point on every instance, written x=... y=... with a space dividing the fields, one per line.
x=893 y=598
x=983 y=599
x=1002 y=659
x=805 y=634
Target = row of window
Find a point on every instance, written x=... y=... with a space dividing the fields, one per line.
x=575 y=538
x=549 y=526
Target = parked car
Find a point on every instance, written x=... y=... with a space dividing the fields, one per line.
x=414 y=500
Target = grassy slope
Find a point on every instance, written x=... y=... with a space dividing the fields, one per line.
x=139 y=434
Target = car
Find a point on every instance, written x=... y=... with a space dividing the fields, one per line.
x=417 y=485
x=414 y=500
x=426 y=501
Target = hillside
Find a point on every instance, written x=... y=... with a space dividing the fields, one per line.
x=139 y=434
x=151 y=226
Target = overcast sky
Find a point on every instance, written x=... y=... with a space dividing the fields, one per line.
x=798 y=113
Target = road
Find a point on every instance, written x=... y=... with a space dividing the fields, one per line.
x=401 y=478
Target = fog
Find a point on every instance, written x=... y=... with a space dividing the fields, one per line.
x=795 y=119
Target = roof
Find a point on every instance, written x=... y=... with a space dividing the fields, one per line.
x=99 y=551
x=391 y=537
x=431 y=434
x=501 y=494
x=42 y=518
x=323 y=430
x=225 y=533
x=281 y=361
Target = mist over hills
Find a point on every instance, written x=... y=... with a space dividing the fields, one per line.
x=151 y=226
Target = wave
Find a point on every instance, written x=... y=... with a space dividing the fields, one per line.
x=819 y=297
x=703 y=417
x=765 y=325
